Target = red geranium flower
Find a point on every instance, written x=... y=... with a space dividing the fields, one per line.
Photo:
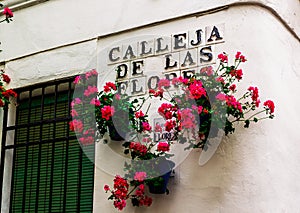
x=240 y=57
x=106 y=188
x=6 y=78
x=232 y=87
x=108 y=86
x=223 y=57
x=120 y=204
x=169 y=125
x=163 y=147
x=8 y=93
x=7 y=12
x=146 y=126
x=139 y=114
x=254 y=91
x=270 y=105
x=107 y=112
x=138 y=147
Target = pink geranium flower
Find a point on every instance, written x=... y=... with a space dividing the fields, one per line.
x=140 y=176
x=95 y=102
x=146 y=126
x=107 y=112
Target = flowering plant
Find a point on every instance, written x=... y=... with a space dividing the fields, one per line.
x=209 y=99
x=141 y=173
x=8 y=15
x=83 y=106
x=120 y=192
x=5 y=93
x=4 y=78
x=106 y=105
x=193 y=109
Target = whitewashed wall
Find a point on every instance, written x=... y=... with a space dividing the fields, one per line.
x=255 y=170
x=55 y=23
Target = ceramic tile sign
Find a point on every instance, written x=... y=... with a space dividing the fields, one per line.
x=160 y=134
x=139 y=63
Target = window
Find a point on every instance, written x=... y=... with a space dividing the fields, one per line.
x=43 y=163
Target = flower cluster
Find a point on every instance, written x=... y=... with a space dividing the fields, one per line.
x=120 y=192
x=141 y=150
x=7 y=13
x=163 y=147
x=148 y=149
x=202 y=98
x=138 y=148
x=269 y=106
x=5 y=94
x=109 y=105
x=82 y=107
x=107 y=112
x=111 y=110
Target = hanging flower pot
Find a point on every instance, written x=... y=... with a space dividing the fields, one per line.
x=119 y=126
x=158 y=185
x=116 y=134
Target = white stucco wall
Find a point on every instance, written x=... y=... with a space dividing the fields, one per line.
x=56 y=23
x=254 y=170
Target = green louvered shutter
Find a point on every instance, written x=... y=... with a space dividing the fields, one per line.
x=51 y=173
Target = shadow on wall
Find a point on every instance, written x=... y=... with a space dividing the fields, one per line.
x=195 y=187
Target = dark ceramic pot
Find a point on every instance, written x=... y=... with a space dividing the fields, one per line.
x=159 y=184
x=120 y=126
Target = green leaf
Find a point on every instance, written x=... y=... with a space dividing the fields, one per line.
x=167 y=191
x=255 y=120
x=126 y=144
x=247 y=123
x=135 y=202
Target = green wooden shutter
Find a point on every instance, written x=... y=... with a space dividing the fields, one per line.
x=50 y=172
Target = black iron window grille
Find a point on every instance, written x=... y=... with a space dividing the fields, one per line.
x=43 y=168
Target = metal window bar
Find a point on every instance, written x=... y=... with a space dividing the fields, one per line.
x=14 y=156
x=3 y=151
x=67 y=150
x=26 y=156
x=53 y=149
